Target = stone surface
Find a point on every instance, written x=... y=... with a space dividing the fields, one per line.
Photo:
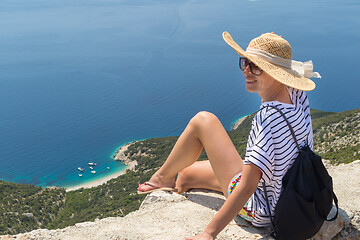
x=164 y=216
x=331 y=229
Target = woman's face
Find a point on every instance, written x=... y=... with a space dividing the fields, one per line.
x=263 y=84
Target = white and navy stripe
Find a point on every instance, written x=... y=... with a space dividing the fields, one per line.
x=271 y=148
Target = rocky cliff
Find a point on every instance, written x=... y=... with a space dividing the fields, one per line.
x=171 y=216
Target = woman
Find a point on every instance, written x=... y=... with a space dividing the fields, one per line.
x=271 y=150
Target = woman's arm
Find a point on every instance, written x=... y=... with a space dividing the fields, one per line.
x=249 y=180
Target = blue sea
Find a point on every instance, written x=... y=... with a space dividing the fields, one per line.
x=79 y=79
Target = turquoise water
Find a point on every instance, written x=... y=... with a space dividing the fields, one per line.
x=81 y=78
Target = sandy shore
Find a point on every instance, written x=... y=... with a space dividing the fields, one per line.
x=101 y=180
x=118 y=156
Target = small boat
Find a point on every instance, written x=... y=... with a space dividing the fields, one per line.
x=92 y=164
x=108 y=168
x=80 y=175
x=80 y=169
x=93 y=172
x=91 y=168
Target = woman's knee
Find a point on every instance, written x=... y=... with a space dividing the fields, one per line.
x=204 y=119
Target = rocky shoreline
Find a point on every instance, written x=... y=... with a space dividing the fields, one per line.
x=120 y=155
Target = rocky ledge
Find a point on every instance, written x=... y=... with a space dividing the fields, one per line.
x=172 y=216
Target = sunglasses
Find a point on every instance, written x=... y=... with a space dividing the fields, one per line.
x=243 y=63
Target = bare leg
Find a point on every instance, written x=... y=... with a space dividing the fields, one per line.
x=203 y=130
x=198 y=175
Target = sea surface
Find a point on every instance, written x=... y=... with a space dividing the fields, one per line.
x=78 y=79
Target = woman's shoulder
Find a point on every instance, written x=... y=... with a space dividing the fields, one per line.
x=267 y=113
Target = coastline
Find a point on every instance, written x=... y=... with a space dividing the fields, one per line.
x=118 y=156
x=238 y=122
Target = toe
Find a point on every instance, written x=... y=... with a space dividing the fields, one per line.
x=146 y=187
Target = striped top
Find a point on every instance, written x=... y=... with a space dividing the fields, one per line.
x=271 y=148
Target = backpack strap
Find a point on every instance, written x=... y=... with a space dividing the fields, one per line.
x=273 y=233
x=337 y=208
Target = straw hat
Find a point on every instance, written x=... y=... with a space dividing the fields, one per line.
x=273 y=54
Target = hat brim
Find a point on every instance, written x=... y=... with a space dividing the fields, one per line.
x=283 y=75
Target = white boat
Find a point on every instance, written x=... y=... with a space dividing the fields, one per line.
x=93 y=172
x=91 y=168
x=80 y=175
x=108 y=168
x=80 y=169
x=92 y=164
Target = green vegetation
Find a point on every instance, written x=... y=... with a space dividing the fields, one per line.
x=337 y=136
x=118 y=196
x=59 y=209
x=27 y=207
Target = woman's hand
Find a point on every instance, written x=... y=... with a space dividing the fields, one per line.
x=203 y=236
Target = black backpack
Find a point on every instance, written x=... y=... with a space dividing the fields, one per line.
x=306 y=199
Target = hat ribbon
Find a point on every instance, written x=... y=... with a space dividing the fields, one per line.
x=305 y=69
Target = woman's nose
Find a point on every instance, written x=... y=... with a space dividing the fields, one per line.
x=247 y=69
